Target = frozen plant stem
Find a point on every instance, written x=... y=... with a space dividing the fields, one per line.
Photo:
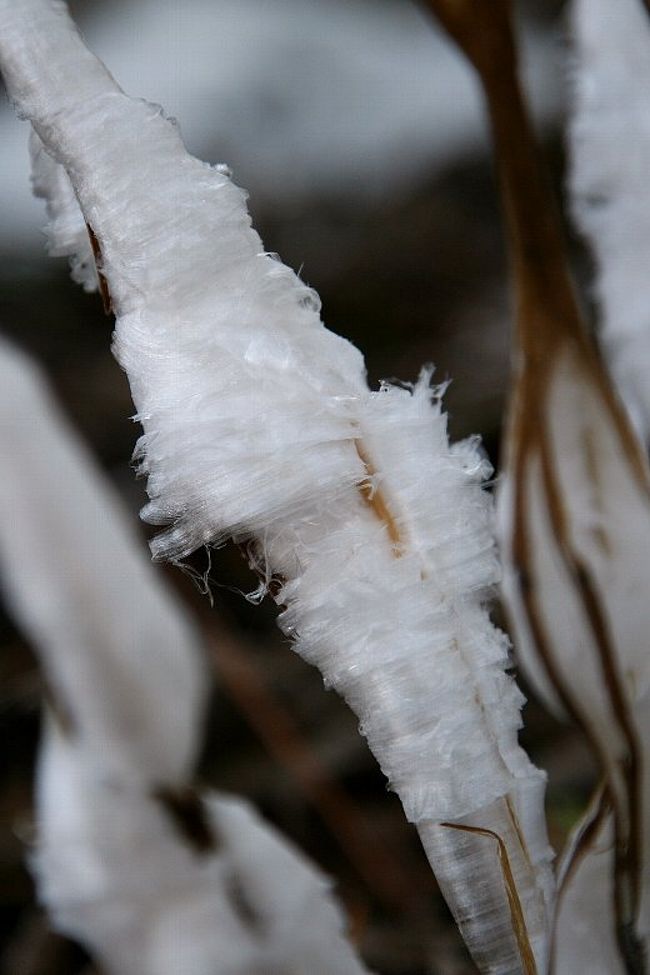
x=574 y=499
x=259 y=426
x=610 y=68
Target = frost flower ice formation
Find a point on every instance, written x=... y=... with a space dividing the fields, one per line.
x=259 y=425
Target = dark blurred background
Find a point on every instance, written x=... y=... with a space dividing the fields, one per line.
x=358 y=132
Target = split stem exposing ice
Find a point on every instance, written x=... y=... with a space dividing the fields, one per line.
x=259 y=426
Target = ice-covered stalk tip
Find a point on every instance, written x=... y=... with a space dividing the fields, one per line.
x=259 y=425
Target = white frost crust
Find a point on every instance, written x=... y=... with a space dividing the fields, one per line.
x=67 y=234
x=408 y=644
x=405 y=638
x=609 y=143
x=77 y=583
x=116 y=874
x=253 y=415
x=125 y=670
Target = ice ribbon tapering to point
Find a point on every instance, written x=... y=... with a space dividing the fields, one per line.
x=151 y=876
x=259 y=425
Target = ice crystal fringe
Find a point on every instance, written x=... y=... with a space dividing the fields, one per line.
x=609 y=143
x=259 y=425
x=126 y=679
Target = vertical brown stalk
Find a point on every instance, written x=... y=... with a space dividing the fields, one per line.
x=548 y=322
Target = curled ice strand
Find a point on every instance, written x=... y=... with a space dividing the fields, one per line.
x=258 y=425
x=151 y=876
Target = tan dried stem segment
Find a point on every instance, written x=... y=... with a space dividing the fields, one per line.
x=374 y=497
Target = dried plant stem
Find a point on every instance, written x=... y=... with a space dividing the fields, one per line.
x=549 y=325
x=259 y=425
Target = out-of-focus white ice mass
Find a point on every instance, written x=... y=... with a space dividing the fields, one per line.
x=344 y=98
